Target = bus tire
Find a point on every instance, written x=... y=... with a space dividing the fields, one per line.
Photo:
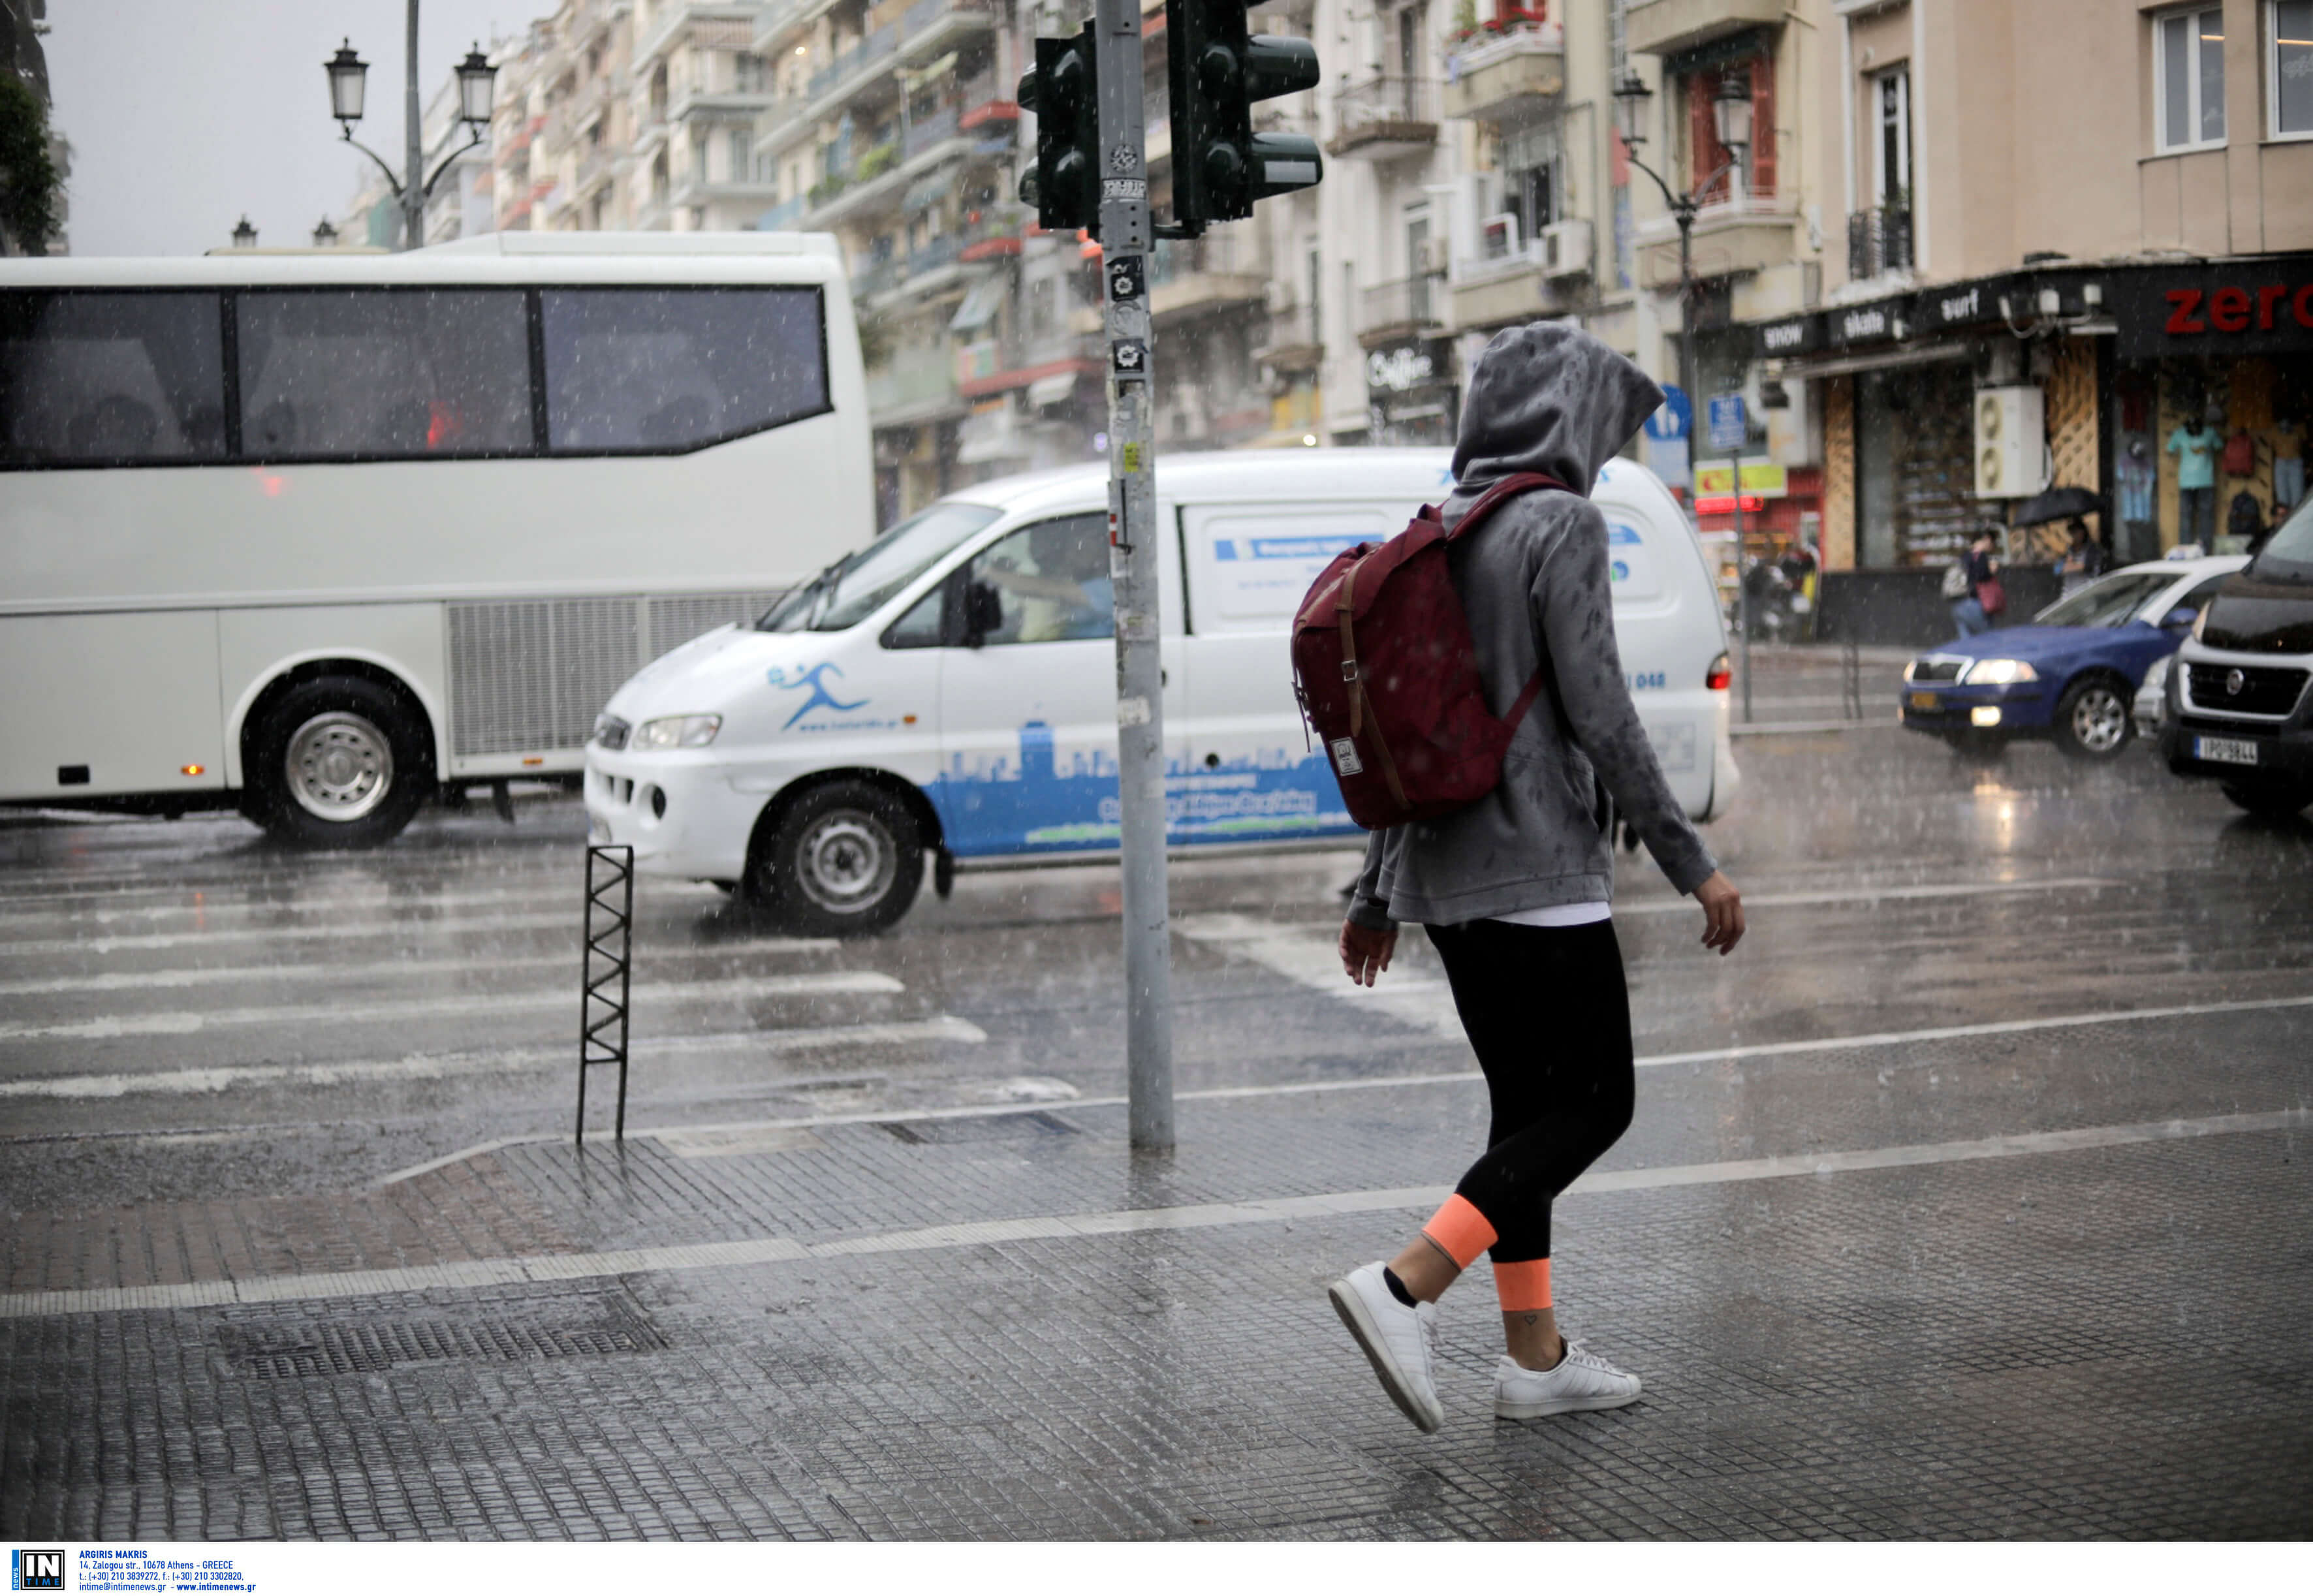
x=846 y=859
x=338 y=762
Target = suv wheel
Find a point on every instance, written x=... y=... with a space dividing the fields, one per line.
x=2092 y=719
x=846 y=860
x=340 y=762
x=2275 y=801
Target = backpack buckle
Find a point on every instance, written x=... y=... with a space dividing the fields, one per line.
x=1349 y=671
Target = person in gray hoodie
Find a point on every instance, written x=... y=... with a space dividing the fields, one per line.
x=1514 y=890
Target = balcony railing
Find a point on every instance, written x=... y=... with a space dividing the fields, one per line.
x=1409 y=302
x=1386 y=116
x=884 y=41
x=783 y=215
x=927 y=131
x=1879 y=240
x=878 y=278
x=934 y=254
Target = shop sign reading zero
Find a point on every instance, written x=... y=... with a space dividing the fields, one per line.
x=2243 y=307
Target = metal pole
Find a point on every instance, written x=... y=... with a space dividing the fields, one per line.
x=1134 y=546
x=1685 y=212
x=1742 y=582
x=413 y=166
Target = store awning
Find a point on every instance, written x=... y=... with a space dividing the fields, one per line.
x=1881 y=360
x=1052 y=389
x=980 y=305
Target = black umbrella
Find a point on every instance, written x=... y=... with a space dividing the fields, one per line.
x=2057 y=504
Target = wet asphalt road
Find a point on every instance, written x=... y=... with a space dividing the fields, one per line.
x=186 y=1012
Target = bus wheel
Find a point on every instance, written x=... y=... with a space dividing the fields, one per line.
x=845 y=861
x=338 y=763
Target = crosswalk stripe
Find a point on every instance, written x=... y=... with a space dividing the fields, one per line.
x=137 y=980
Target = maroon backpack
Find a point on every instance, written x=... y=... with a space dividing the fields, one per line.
x=1387 y=674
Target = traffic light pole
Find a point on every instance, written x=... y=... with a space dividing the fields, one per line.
x=1127 y=237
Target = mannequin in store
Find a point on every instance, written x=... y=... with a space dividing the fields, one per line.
x=2196 y=448
x=2140 y=539
x=2288 y=463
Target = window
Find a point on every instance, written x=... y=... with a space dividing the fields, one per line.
x=679 y=368
x=1891 y=178
x=2189 y=79
x=1051 y=582
x=863 y=582
x=742 y=145
x=923 y=626
x=367 y=373
x=2289 y=67
x=1530 y=165
x=110 y=377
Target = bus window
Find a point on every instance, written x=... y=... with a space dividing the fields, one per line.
x=672 y=369
x=110 y=378
x=369 y=373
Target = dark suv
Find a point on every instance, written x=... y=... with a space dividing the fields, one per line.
x=2239 y=707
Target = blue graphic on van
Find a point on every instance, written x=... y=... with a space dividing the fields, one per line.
x=1618 y=571
x=997 y=806
x=1322 y=546
x=1616 y=533
x=821 y=698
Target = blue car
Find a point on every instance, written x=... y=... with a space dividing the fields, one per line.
x=2071 y=674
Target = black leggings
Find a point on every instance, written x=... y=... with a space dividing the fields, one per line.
x=1547 y=1011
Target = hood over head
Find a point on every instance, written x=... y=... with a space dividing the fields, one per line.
x=1551 y=398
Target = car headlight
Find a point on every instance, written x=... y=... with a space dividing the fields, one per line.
x=679 y=731
x=1999 y=673
x=2156 y=678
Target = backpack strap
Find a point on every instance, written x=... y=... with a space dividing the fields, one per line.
x=1501 y=492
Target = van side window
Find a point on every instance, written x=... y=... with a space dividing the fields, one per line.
x=1050 y=582
x=366 y=374
x=110 y=378
x=663 y=370
x=920 y=628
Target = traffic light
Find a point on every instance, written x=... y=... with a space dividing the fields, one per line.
x=1220 y=165
x=1064 y=92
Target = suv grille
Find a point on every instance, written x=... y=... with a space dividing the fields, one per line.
x=611 y=732
x=2261 y=690
x=1929 y=668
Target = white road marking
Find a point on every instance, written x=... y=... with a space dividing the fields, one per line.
x=337 y=931
x=137 y=980
x=1308 y=957
x=232 y=898
x=815 y=983
x=783 y=1250
x=1440 y=1078
x=443 y=1067
x=1870 y=895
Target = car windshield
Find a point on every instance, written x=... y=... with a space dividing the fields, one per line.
x=2112 y=601
x=854 y=587
x=2288 y=555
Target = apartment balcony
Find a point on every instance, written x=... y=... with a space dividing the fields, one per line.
x=776 y=25
x=1879 y=241
x=925 y=132
x=1751 y=233
x=650 y=129
x=915 y=385
x=1294 y=342
x=724 y=27
x=1203 y=277
x=1512 y=286
x=741 y=191
x=1384 y=119
x=875 y=278
x=594 y=98
x=995 y=233
x=931 y=28
x=851 y=68
x=1507 y=78
x=1665 y=27
x=596 y=21
x=784 y=218
x=1410 y=308
x=877 y=181
x=720 y=104
x=597 y=167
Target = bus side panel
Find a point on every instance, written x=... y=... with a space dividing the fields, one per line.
x=255 y=646
x=125 y=702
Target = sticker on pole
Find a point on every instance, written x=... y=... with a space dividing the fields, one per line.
x=1130 y=356
x=1125 y=277
x=1729 y=429
x=1124 y=191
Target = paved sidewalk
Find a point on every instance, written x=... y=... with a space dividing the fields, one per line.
x=2055 y=1286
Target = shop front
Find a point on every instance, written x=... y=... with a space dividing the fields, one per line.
x=1413 y=396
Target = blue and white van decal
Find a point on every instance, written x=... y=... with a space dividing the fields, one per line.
x=999 y=806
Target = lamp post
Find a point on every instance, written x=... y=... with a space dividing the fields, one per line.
x=325 y=235
x=1730 y=110
x=244 y=235
x=349 y=88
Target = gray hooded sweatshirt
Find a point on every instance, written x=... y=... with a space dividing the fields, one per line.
x=1533 y=582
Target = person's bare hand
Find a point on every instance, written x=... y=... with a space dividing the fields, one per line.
x=1722 y=913
x=1364 y=953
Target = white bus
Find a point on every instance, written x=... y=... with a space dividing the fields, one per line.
x=316 y=537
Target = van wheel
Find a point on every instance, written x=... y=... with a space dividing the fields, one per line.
x=340 y=762
x=846 y=861
x=2092 y=719
x=2275 y=801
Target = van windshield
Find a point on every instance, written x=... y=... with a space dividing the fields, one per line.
x=854 y=587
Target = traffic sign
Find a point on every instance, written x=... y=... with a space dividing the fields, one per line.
x=1674 y=419
x=1728 y=430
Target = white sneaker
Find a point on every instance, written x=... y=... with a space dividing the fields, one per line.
x=1397 y=1341
x=1582 y=1382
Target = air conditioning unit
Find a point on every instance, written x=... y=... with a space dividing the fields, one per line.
x=1566 y=249
x=2010 y=443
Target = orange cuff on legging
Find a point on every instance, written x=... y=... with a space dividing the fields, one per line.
x=1523 y=1287
x=1461 y=1229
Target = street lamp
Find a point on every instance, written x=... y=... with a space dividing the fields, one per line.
x=325 y=236
x=477 y=88
x=244 y=236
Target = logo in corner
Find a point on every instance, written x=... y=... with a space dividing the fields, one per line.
x=36 y=1570
x=821 y=698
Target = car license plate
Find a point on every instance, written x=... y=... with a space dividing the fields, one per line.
x=1923 y=701
x=2225 y=750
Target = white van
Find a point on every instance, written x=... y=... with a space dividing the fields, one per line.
x=951 y=689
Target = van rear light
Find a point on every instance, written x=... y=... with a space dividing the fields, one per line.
x=1721 y=675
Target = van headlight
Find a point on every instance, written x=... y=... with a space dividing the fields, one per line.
x=678 y=730
x=2000 y=672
